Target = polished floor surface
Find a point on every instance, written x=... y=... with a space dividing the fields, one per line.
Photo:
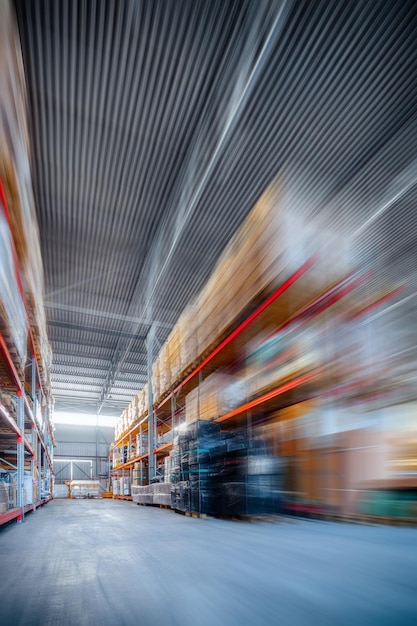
x=113 y=563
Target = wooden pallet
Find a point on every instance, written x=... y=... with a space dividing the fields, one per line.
x=196 y=515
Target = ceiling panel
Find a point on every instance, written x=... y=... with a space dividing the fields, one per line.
x=154 y=127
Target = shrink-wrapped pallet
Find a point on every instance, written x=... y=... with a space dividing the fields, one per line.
x=115 y=486
x=216 y=395
x=273 y=359
x=4 y=497
x=161 y=494
x=125 y=486
x=141 y=443
x=142 y=494
x=167 y=469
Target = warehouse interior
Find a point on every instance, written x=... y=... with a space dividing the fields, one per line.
x=208 y=312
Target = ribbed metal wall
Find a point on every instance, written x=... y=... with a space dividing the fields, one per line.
x=83 y=443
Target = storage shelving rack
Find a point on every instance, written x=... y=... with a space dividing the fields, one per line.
x=243 y=305
x=291 y=302
x=126 y=469
x=286 y=308
x=30 y=436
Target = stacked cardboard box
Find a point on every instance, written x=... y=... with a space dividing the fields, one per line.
x=140 y=407
x=117 y=457
x=136 y=410
x=192 y=406
x=156 y=381
x=174 y=351
x=165 y=368
x=140 y=474
x=188 y=332
x=8 y=403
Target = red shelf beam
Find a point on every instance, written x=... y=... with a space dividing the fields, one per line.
x=16 y=513
x=20 y=389
x=10 y=423
x=293 y=384
x=378 y=302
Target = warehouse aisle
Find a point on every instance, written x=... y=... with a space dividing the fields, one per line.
x=113 y=563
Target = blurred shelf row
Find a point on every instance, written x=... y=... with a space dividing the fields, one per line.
x=26 y=429
x=278 y=352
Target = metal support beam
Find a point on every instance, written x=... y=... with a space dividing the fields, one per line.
x=33 y=387
x=94 y=329
x=20 y=456
x=38 y=414
x=151 y=418
x=7 y=463
x=173 y=424
x=36 y=399
x=112 y=373
x=103 y=314
x=33 y=461
x=40 y=476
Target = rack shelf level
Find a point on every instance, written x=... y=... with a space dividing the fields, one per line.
x=293 y=384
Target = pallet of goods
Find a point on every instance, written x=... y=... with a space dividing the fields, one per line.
x=216 y=395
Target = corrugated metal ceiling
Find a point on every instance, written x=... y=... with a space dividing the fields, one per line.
x=154 y=127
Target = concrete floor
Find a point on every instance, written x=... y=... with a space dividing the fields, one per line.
x=114 y=563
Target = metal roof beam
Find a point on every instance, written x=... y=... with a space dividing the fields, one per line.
x=94 y=329
x=78 y=374
x=70 y=344
x=104 y=314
